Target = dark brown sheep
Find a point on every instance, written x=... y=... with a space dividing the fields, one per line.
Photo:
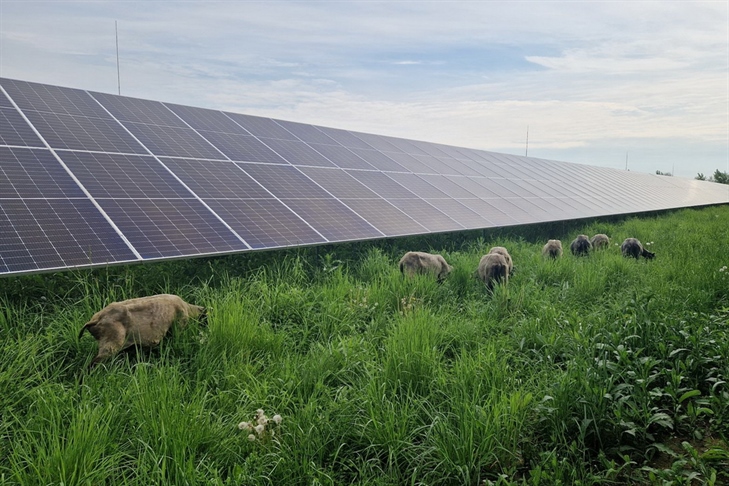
x=581 y=246
x=631 y=247
x=137 y=322
x=424 y=263
x=553 y=249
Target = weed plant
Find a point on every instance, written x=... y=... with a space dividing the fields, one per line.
x=593 y=370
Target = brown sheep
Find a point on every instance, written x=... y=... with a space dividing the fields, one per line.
x=631 y=247
x=492 y=268
x=137 y=322
x=424 y=263
x=495 y=266
x=600 y=241
x=581 y=246
x=503 y=251
x=553 y=249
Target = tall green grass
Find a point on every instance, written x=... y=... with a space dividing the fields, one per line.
x=596 y=370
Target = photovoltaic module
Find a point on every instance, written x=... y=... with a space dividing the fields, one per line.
x=89 y=179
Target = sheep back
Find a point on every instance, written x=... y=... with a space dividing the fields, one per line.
x=493 y=268
x=553 y=249
x=600 y=241
x=424 y=263
x=580 y=246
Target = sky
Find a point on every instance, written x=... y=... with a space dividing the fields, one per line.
x=613 y=84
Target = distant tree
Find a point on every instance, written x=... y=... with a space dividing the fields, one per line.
x=663 y=173
x=721 y=177
x=700 y=177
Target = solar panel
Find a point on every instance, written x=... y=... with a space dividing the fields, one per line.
x=89 y=179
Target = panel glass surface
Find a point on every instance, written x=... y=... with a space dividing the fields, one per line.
x=470 y=185
x=385 y=217
x=378 y=160
x=122 y=176
x=262 y=127
x=242 y=148
x=4 y=100
x=507 y=206
x=338 y=182
x=82 y=133
x=426 y=215
x=448 y=187
x=417 y=185
x=489 y=212
x=381 y=184
x=377 y=142
x=297 y=153
x=208 y=120
x=458 y=167
x=159 y=228
x=173 y=141
x=410 y=163
x=14 y=130
x=342 y=156
x=459 y=213
x=345 y=138
x=436 y=165
x=307 y=133
x=216 y=179
x=264 y=223
x=284 y=181
x=52 y=99
x=406 y=146
x=493 y=187
x=135 y=110
x=332 y=219
x=34 y=173
x=43 y=234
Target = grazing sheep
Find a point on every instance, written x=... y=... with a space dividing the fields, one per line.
x=503 y=251
x=424 y=263
x=553 y=249
x=495 y=266
x=600 y=241
x=631 y=247
x=580 y=246
x=142 y=322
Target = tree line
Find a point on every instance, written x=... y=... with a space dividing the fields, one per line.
x=719 y=176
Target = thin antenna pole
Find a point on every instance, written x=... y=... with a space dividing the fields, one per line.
x=118 y=76
x=526 y=151
x=626 y=160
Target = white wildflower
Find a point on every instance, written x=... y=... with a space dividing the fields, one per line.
x=259 y=429
x=277 y=419
x=259 y=412
x=244 y=426
x=262 y=420
x=251 y=437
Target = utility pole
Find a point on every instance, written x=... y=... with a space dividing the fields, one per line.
x=118 y=76
x=526 y=151
x=626 y=160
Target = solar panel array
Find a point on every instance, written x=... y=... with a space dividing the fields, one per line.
x=90 y=179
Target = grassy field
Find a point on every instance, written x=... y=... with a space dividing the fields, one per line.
x=595 y=370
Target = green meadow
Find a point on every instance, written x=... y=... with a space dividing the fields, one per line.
x=592 y=370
